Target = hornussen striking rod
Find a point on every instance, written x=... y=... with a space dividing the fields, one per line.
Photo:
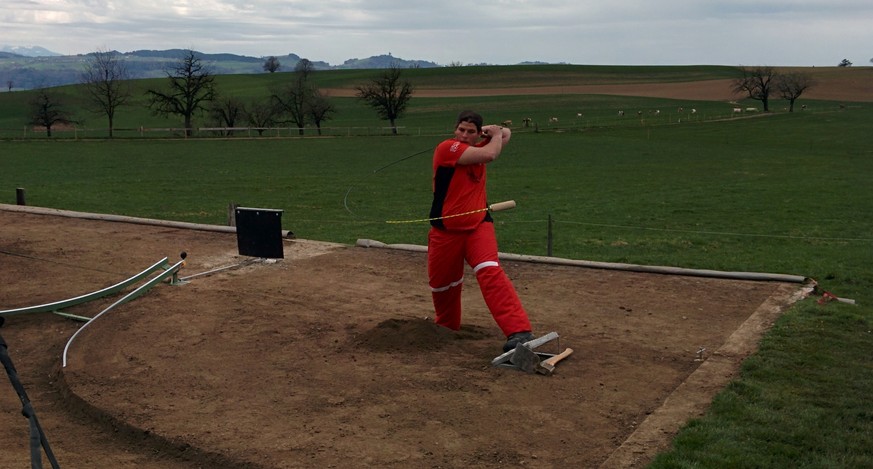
x=495 y=207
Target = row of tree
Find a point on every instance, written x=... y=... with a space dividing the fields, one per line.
x=761 y=82
x=191 y=89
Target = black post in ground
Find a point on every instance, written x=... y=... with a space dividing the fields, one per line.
x=550 y=239
x=20 y=196
x=37 y=436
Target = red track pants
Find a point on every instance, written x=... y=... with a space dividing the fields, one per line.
x=446 y=253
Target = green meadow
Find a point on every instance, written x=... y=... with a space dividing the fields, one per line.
x=778 y=192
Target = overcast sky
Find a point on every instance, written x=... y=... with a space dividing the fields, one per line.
x=613 y=32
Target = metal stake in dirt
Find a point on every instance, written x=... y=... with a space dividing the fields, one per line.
x=37 y=436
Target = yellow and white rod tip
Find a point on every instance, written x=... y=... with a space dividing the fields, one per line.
x=502 y=206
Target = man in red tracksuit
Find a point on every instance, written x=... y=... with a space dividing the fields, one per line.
x=456 y=235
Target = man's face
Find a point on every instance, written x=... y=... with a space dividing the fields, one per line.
x=466 y=132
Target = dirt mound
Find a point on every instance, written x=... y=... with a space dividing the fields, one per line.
x=415 y=336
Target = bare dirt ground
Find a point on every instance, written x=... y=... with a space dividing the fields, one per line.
x=853 y=84
x=327 y=358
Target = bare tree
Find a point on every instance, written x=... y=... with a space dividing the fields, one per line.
x=304 y=68
x=262 y=114
x=291 y=98
x=106 y=82
x=387 y=94
x=272 y=64
x=792 y=85
x=757 y=83
x=192 y=85
x=320 y=108
x=301 y=100
x=47 y=110
x=226 y=111
x=845 y=63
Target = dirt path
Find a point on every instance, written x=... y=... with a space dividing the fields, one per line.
x=327 y=359
x=831 y=83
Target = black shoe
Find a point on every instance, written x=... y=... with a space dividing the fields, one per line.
x=515 y=339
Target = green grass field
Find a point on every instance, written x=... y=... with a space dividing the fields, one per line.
x=780 y=193
x=131 y=118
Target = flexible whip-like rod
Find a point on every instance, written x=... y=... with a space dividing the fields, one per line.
x=496 y=207
x=346 y=198
x=402 y=159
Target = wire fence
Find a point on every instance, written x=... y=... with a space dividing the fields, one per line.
x=75 y=132
x=72 y=132
x=646 y=119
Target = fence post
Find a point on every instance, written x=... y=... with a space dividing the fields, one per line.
x=20 y=196
x=231 y=214
x=550 y=238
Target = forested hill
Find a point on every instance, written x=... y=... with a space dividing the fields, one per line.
x=18 y=72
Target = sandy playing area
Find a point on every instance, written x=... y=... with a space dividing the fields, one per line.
x=327 y=357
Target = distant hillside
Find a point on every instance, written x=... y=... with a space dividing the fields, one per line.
x=31 y=51
x=26 y=72
x=384 y=61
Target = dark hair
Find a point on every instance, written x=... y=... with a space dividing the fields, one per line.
x=471 y=117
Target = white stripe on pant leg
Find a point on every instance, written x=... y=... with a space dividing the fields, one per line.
x=447 y=287
x=485 y=264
